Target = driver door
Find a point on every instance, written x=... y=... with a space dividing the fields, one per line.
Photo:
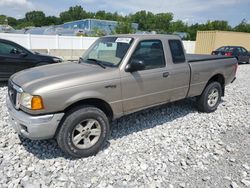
x=245 y=55
x=145 y=88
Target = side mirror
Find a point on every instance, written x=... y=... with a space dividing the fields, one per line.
x=23 y=54
x=135 y=65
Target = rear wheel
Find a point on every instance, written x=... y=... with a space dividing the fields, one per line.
x=210 y=98
x=83 y=131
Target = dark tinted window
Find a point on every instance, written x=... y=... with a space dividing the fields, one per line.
x=230 y=49
x=177 y=51
x=244 y=50
x=8 y=49
x=151 y=52
x=239 y=50
x=221 y=49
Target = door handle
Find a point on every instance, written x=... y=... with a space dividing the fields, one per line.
x=165 y=74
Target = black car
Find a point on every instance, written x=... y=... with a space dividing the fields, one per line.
x=14 y=58
x=240 y=53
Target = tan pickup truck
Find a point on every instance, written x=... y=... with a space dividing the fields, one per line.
x=117 y=75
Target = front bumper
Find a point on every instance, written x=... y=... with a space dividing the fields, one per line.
x=33 y=127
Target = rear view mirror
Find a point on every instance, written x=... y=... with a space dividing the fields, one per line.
x=135 y=65
x=109 y=44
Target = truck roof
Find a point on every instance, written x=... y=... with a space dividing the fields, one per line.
x=147 y=36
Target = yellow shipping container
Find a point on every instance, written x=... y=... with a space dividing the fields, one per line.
x=207 y=41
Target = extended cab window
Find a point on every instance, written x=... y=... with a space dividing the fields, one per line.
x=151 y=53
x=177 y=51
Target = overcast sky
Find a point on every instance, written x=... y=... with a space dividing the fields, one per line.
x=190 y=11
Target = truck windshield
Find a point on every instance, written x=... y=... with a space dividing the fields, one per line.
x=109 y=51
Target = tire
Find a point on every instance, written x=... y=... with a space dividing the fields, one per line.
x=83 y=131
x=210 y=98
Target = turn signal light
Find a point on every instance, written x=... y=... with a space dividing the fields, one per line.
x=37 y=103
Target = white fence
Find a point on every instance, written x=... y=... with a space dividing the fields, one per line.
x=63 y=42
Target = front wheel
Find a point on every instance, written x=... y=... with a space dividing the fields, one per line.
x=210 y=98
x=83 y=131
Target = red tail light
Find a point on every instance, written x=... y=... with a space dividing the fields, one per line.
x=228 y=54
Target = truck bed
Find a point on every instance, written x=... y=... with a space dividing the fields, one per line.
x=197 y=57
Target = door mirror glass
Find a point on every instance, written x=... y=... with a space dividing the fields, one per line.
x=135 y=65
x=23 y=53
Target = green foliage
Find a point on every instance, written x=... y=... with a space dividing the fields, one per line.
x=178 y=26
x=209 y=26
x=243 y=27
x=37 y=18
x=147 y=21
x=218 y=25
x=74 y=13
x=3 y=19
x=124 y=28
x=12 y=21
x=23 y=23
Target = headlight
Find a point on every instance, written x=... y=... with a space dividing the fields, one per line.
x=57 y=60
x=31 y=102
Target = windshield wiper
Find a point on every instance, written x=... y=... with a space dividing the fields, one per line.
x=97 y=62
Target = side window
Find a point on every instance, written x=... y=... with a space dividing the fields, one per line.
x=151 y=53
x=221 y=49
x=177 y=51
x=244 y=50
x=8 y=49
x=239 y=50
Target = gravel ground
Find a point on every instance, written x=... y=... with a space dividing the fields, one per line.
x=168 y=146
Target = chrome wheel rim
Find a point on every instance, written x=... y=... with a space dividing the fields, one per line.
x=86 y=134
x=213 y=97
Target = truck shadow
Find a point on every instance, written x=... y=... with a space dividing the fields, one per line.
x=3 y=83
x=152 y=117
x=124 y=126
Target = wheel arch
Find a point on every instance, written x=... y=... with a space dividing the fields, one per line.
x=217 y=78
x=96 y=102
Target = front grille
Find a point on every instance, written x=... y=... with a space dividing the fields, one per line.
x=12 y=92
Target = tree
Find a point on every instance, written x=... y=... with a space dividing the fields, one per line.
x=141 y=18
x=162 y=21
x=100 y=15
x=12 y=21
x=3 y=19
x=124 y=27
x=52 y=20
x=178 y=26
x=23 y=23
x=243 y=27
x=74 y=13
x=218 y=25
x=36 y=17
x=148 y=21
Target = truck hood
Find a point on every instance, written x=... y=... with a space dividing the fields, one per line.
x=58 y=76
